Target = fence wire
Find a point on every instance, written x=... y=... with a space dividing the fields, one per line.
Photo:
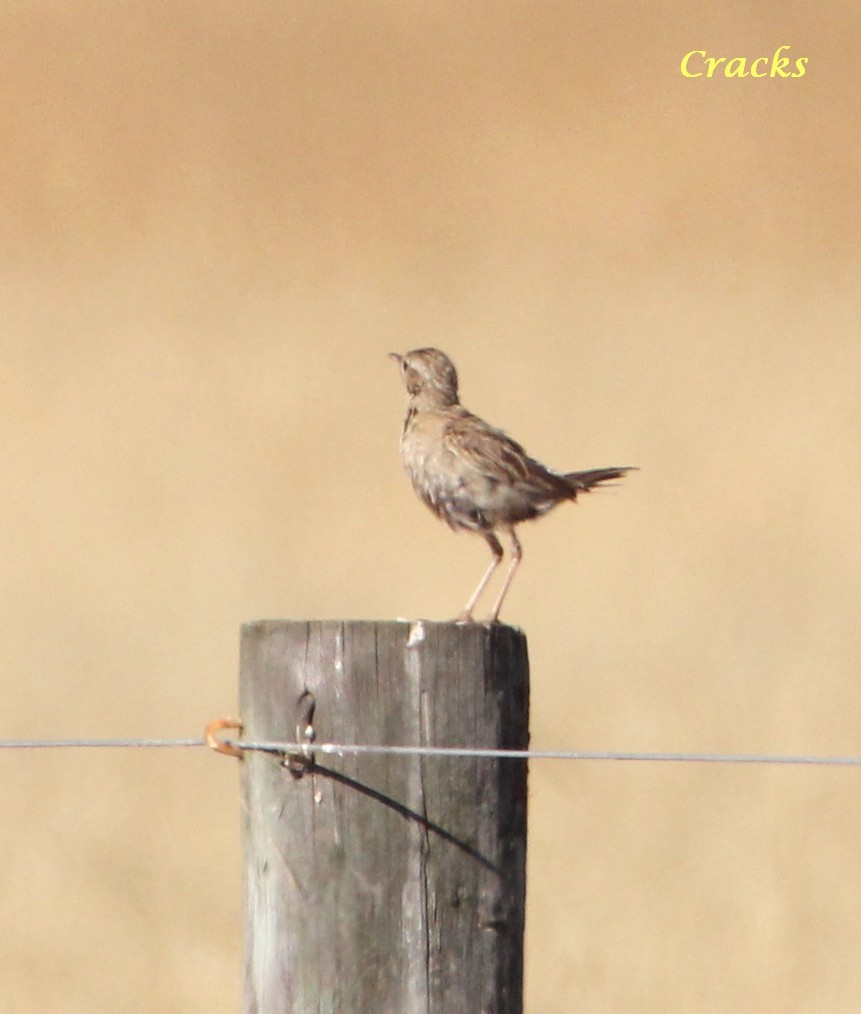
x=344 y=749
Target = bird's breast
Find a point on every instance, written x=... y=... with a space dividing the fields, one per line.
x=431 y=467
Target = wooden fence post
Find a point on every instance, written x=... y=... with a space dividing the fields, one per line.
x=390 y=884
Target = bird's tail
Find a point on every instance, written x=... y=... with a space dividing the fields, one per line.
x=582 y=482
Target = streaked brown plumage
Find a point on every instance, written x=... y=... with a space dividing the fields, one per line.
x=472 y=475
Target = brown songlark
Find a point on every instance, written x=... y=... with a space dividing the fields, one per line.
x=472 y=475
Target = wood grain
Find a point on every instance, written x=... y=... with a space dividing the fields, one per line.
x=385 y=883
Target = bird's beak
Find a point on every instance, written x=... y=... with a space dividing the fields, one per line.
x=397 y=358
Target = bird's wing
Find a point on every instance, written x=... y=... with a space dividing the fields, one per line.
x=486 y=450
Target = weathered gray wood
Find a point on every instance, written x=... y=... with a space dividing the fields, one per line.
x=385 y=884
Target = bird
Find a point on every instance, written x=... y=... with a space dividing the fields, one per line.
x=472 y=475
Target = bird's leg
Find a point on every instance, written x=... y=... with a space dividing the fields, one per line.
x=496 y=549
x=516 y=557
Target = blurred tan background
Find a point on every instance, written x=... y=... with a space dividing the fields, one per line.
x=216 y=220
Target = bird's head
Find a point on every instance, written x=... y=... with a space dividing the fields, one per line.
x=429 y=376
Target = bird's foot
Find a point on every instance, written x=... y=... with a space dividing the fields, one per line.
x=467 y=618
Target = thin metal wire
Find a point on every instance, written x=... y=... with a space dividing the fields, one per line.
x=581 y=755
x=278 y=747
x=61 y=744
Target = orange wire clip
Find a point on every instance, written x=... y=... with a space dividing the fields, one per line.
x=218 y=745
